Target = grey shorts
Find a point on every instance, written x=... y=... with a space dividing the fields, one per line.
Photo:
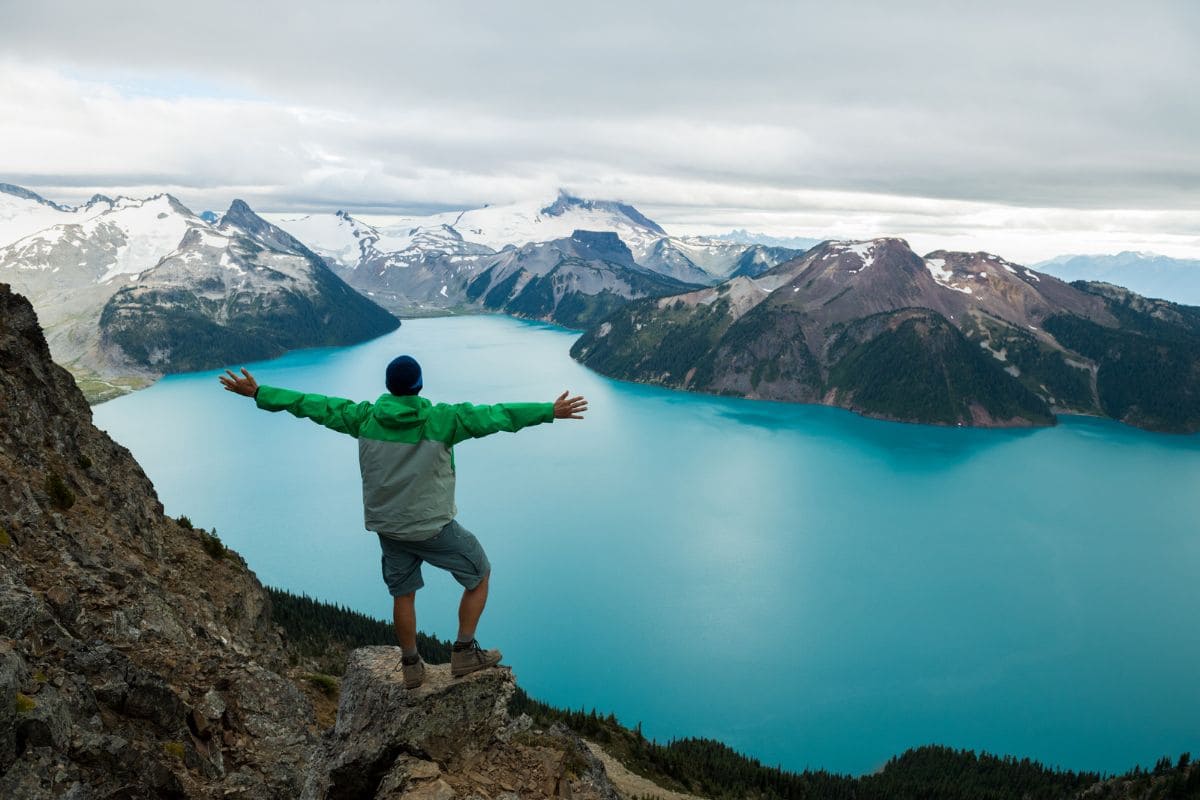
x=453 y=548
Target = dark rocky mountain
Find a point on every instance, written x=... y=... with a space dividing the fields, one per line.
x=574 y=281
x=951 y=338
x=242 y=291
x=758 y=258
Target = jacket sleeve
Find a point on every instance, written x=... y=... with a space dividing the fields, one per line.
x=471 y=422
x=343 y=416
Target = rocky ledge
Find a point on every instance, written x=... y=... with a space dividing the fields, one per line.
x=449 y=738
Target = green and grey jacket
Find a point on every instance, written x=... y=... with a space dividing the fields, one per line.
x=405 y=449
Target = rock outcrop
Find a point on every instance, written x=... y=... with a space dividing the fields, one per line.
x=137 y=656
x=449 y=738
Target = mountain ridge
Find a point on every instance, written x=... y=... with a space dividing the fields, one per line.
x=90 y=266
x=845 y=323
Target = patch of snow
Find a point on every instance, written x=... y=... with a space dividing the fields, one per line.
x=1030 y=274
x=943 y=276
x=864 y=251
x=443 y=291
x=605 y=329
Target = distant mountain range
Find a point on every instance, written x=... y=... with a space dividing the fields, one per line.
x=948 y=338
x=424 y=264
x=1149 y=274
x=743 y=236
x=129 y=289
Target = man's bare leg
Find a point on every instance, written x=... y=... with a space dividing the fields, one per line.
x=404 y=616
x=470 y=609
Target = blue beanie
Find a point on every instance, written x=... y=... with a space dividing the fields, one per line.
x=404 y=376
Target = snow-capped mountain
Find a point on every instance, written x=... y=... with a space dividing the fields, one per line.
x=522 y=223
x=70 y=268
x=243 y=283
x=339 y=238
x=23 y=212
x=81 y=257
x=420 y=264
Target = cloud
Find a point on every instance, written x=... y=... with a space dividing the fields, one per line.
x=954 y=116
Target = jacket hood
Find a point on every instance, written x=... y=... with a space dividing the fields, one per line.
x=393 y=411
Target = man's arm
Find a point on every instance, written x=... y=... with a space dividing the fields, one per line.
x=471 y=422
x=335 y=413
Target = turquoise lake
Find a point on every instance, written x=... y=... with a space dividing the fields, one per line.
x=811 y=587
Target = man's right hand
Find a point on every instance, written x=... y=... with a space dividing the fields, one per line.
x=240 y=385
x=569 y=408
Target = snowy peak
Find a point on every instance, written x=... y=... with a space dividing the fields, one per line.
x=241 y=219
x=339 y=238
x=567 y=202
x=26 y=194
x=100 y=242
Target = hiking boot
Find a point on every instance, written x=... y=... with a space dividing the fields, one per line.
x=471 y=658
x=414 y=673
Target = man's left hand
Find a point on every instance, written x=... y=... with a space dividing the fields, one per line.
x=569 y=408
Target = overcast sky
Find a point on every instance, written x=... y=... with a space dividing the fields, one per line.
x=1028 y=129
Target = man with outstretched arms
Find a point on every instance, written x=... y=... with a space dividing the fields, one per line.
x=405 y=453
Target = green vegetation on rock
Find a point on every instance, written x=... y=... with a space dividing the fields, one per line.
x=213 y=545
x=326 y=633
x=326 y=683
x=61 y=496
x=920 y=367
x=1149 y=368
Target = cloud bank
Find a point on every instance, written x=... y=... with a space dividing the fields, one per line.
x=1025 y=128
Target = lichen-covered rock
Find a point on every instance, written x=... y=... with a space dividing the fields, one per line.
x=448 y=738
